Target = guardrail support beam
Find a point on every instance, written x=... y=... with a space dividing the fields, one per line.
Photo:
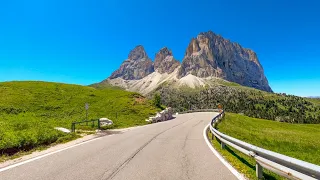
x=259 y=171
x=73 y=127
x=223 y=146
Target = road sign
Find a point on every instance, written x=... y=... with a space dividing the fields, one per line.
x=87 y=106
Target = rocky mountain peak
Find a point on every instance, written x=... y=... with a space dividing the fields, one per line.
x=165 y=62
x=193 y=47
x=198 y=59
x=210 y=55
x=165 y=51
x=137 y=66
x=137 y=53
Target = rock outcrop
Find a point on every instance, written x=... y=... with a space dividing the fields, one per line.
x=137 y=66
x=164 y=115
x=210 y=55
x=105 y=122
x=198 y=60
x=165 y=62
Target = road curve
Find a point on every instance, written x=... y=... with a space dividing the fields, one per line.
x=173 y=149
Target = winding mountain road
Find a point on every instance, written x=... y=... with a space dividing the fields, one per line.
x=169 y=150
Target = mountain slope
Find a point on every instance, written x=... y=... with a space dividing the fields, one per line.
x=208 y=57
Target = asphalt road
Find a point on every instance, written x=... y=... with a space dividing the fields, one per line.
x=173 y=149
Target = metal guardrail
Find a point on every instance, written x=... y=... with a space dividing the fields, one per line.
x=199 y=110
x=73 y=125
x=278 y=163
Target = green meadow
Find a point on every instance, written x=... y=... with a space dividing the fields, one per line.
x=29 y=111
x=300 y=141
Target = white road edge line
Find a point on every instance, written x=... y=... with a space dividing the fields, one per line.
x=225 y=162
x=48 y=154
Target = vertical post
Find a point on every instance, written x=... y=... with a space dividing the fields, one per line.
x=223 y=146
x=87 y=116
x=98 y=123
x=259 y=171
x=212 y=137
x=73 y=128
x=87 y=107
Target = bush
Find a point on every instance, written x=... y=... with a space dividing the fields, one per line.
x=157 y=100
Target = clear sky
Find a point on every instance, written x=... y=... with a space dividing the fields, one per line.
x=83 y=42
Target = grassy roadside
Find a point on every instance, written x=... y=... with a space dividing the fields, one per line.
x=61 y=140
x=29 y=111
x=242 y=163
x=296 y=140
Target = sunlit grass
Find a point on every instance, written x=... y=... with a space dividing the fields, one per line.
x=300 y=141
x=29 y=111
x=295 y=140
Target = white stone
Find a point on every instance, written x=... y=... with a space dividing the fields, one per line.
x=105 y=122
x=62 y=129
x=162 y=116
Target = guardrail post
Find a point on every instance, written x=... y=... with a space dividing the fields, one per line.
x=73 y=128
x=259 y=171
x=98 y=123
x=223 y=146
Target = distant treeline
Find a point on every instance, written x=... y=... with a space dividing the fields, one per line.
x=248 y=101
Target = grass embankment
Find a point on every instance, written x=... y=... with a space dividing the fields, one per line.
x=300 y=141
x=29 y=111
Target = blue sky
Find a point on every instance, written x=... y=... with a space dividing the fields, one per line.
x=82 y=42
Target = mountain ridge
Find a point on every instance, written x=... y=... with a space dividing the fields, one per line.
x=208 y=57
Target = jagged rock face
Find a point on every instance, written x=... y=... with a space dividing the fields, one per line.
x=198 y=60
x=165 y=62
x=211 y=55
x=137 y=66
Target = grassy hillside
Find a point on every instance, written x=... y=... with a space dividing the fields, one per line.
x=300 y=141
x=29 y=111
x=240 y=99
x=314 y=100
